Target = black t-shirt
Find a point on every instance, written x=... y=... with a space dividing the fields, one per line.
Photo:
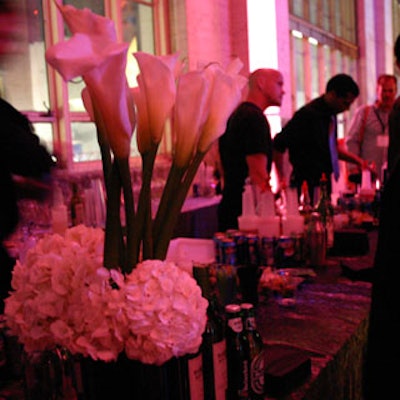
x=247 y=133
x=306 y=136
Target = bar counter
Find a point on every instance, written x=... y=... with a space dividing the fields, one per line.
x=329 y=324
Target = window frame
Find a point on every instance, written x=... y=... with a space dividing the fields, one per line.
x=334 y=53
x=60 y=116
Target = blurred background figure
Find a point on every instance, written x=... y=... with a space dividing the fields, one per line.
x=11 y=27
x=25 y=171
x=394 y=121
x=368 y=136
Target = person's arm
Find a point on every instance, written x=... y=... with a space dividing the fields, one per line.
x=278 y=159
x=257 y=164
x=348 y=156
x=353 y=139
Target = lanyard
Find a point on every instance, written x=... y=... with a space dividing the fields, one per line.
x=383 y=126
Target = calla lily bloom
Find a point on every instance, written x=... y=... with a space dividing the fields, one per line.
x=142 y=129
x=74 y=57
x=157 y=86
x=226 y=93
x=101 y=63
x=189 y=110
x=114 y=102
x=85 y=21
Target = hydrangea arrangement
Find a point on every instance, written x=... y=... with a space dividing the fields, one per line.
x=63 y=296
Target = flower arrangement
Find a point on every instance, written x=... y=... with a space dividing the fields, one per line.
x=99 y=294
x=197 y=102
x=63 y=297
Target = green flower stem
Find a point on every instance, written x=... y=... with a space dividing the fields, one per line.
x=105 y=158
x=125 y=173
x=168 y=196
x=143 y=222
x=113 y=241
x=167 y=226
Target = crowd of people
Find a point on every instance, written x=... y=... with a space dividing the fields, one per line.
x=247 y=150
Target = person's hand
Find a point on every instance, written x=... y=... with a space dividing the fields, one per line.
x=370 y=166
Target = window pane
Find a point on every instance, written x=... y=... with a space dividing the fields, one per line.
x=297 y=8
x=45 y=133
x=338 y=19
x=325 y=15
x=327 y=63
x=23 y=74
x=84 y=142
x=314 y=12
x=299 y=71
x=97 y=6
x=138 y=31
x=315 y=92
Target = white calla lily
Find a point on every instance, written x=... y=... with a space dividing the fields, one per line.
x=85 y=21
x=189 y=110
x=101 y=62
x=157 y=86
x=142 y=128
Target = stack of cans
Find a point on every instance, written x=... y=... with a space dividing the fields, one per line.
x=234 y=247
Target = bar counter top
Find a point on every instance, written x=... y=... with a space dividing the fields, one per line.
x=329 y=323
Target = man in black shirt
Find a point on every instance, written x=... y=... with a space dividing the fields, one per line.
x=246 y=146
x=307 y=135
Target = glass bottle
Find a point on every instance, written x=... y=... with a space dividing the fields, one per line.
x=77 y=206
x=191 y=377
x=237 y=362
x=325 y=209
x=305 y=207
x=214 y=355
x=315 y=242
x=59 y=212
x=255 y=353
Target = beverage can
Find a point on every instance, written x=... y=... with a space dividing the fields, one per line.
x=228 y=251
x=240 y=241
x=285 y=252
x=217 y=239
x=267 y=251
x=251 y=249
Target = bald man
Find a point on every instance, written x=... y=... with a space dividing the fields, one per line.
x=246 y=146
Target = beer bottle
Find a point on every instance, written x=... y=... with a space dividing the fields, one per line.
x=189 y=376
x=325 y=209
x=235 y=354
x=214 y=355
x=254 y=353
